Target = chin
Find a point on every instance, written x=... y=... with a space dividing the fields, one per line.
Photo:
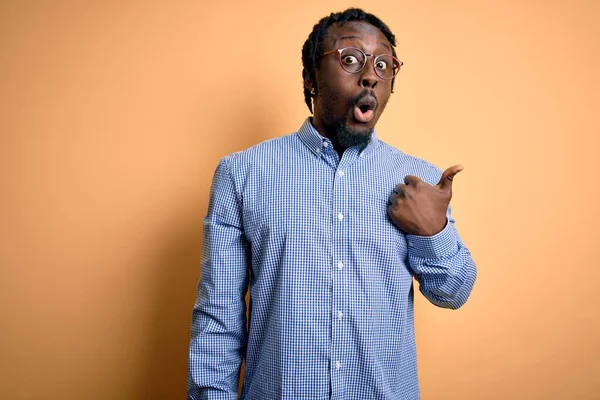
x=353 y=134
x=361 y=128
x=361 y=131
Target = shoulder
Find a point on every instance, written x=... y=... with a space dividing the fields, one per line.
x=262 y=155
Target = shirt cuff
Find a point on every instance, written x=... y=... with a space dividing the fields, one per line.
x=440 y=245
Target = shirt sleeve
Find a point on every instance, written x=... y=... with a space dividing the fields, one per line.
x=443 y=266
x=218 y=331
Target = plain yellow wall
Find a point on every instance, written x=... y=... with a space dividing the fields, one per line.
x=113 y=116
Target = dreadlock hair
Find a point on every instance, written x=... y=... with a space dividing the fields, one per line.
x=312 y=48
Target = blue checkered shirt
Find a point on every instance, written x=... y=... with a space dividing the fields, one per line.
x=330 y=276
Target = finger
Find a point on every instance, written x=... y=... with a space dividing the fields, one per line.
x=399 y=189
x=393 y=199
x=411 y=179
x=448 y=176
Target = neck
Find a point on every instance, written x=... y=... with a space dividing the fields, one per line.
x=329 y=134
x=341 y=136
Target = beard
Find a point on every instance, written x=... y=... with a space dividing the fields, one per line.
x=341 y=135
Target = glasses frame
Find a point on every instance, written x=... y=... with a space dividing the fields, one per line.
x=339 y=51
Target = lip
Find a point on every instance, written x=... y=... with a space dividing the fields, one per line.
x=364 y=109
x=368 y=101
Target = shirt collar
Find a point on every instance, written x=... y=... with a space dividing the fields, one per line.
x=316 y=142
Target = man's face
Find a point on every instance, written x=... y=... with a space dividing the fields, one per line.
x=339 y=109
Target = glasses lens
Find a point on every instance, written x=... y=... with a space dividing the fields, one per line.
x=386 y=66
x=352 y=60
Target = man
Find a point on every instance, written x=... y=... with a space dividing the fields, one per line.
x=328 y=226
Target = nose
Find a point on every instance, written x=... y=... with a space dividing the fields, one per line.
x=369 y=78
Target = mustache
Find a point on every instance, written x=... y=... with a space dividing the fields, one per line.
x=364 y=93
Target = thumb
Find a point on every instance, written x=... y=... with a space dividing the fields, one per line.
x=448 y=176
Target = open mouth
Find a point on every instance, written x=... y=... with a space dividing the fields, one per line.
x=364 y=110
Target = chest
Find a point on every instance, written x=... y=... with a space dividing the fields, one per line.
x=315 y=201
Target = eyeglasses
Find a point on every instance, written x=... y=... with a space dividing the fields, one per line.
x=353 y=60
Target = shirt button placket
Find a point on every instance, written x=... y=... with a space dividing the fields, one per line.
x=340 y=203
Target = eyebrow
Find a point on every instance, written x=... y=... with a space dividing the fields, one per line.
x=358 y=37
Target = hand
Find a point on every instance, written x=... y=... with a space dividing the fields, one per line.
x=418 y=208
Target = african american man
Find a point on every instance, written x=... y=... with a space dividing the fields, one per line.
x=327 y=227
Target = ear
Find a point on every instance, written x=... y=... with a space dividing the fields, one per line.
x=308 y=83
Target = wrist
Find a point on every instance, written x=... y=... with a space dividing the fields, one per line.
x=433 y=247
x=434 y=231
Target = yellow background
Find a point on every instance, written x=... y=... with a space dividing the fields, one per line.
x=113 y=116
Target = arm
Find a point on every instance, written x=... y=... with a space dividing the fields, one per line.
x=443 y=266
x=219 y=334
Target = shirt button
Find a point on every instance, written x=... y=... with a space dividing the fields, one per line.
x=361 y=155
x=325 y=144
x=340 y=314
x=410 y=244
x=341 y=173
x=338 y=365
x=340 y=265
x=340 y=216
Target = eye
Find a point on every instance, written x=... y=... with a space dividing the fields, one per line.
x=381 y=65
x=349 y=60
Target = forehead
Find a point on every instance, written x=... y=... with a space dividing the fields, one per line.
x=355 y=31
